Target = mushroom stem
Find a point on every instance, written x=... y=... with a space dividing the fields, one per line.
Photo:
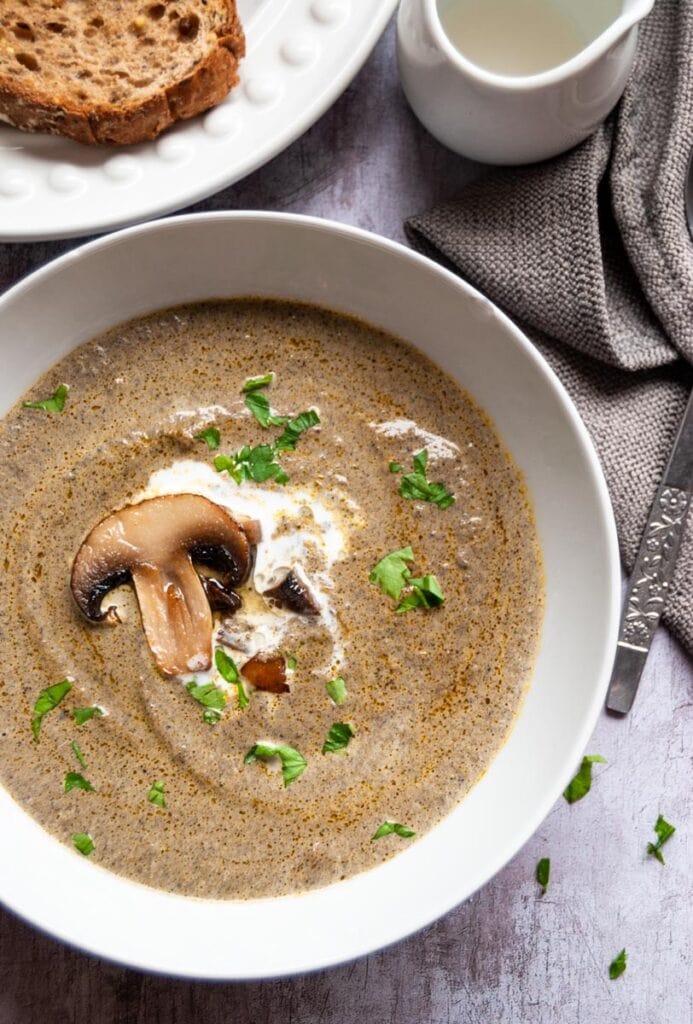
x=176 y=617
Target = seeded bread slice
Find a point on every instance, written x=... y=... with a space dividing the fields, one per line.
x=114 y=71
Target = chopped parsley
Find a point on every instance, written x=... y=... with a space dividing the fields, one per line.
x=416 y=487
x=664 y=832
x=618 y=966
x=293 y=763
x=82 y=715
x=83 y=842
x=156 y=794
x=254 y=383
x=210 y=436
x=336 y=689
x=425 y=593
x=78 y=754
x=74 y=780
x=211 y=698
x=582 y=783
x=56 y=403
x=338 y=737
x=291 y=663
x=227 y=669
x=286 y=442
x=226 y=666
x=258 y=464
x=392 y=575
x=389 y=828
x=48 y=700
x=392 y=572
x=395 y=467
x=259 y=405
x=543 y=872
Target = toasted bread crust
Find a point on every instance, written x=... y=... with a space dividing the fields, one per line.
x=207 y=85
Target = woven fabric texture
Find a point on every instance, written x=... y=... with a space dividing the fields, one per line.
x=591 y=254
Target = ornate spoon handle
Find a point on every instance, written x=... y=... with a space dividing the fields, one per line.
x=653 y=571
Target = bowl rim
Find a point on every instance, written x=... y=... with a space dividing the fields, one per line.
x=65 y=930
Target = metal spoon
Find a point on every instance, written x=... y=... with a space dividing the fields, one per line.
x=653 y=572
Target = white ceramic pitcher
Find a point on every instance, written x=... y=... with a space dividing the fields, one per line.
x=510 y=119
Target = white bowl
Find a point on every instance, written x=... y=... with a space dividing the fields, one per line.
x=230 y=254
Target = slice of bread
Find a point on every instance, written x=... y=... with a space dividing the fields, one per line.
x=114 y=71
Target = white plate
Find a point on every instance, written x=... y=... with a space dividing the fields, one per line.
x=148 y=267
x=301 y=55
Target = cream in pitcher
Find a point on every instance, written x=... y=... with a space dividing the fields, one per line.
x=515 y=81
x=524 y=37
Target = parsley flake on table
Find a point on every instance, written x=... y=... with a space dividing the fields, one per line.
x=416 y=487
x=78 y=754
x=336 y=690
x=56 y=403
x=581 y=784
x=286 y=442
x=293 y=763
x=389 y=828
x=393 y=575
x=228 y=670
x=156 y=794
x=664 y=831
x=82 y=715
x=254 y=383
x=543 y=873
x=210 y=436
x=618 y=965
x=46 y=701
x=83 y=842
x=259 y=405
x=338 y=738
x=74 y=780
x=258 y=464
x=211 y=698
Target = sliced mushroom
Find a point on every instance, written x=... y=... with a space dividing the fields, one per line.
x=267 y=673
x=252 y=529
x=221 y=597
x=154 y=544
x=293 y=593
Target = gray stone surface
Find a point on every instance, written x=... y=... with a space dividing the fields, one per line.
x=508 y=954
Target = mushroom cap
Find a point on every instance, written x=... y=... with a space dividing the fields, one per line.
x=154 y=544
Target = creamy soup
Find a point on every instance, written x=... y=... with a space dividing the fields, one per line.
x=395 y=686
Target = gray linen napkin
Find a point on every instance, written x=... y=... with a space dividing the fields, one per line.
x=590 y=253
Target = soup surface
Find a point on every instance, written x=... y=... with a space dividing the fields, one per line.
x=427 y=694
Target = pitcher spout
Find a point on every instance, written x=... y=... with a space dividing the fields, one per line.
x=634 y=11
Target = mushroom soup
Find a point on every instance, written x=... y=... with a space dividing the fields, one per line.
x=271 y=598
